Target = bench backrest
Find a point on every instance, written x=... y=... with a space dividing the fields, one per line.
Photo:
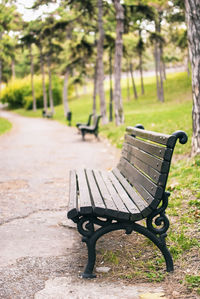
x=89 y=119
x=145 y=161
x=96 y=119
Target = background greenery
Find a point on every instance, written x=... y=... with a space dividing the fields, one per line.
x=5 y=125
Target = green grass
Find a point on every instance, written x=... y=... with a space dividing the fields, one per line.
x=193 y=282
x=5 y=125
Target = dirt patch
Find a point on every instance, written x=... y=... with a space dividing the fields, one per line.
x=13 y=185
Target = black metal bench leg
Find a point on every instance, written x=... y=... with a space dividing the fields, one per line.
x=91 y=246
x=83 y=135
x=85 y=225
x=128 y=227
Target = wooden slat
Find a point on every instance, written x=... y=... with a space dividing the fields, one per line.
x=140 y=202
x=153 y=149
x=73 y=204
x=84 y=200
x=111 y=209
x=123 y=211
x=150 y=200
x=157 y=177
x=135 y=176
x=128 y=202
x=154 y=162
x=168 y=140
x=98 y=203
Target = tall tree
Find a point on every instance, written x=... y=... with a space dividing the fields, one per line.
x=8 y=20
x=110 y=45
x=119 y=114
x=192 y=8
x=140 y=49
x=100 y=66
x=28 y=40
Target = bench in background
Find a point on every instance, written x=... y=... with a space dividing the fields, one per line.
x=88 y=122
x=91 y=129
x=101 y=201
x=47 y=114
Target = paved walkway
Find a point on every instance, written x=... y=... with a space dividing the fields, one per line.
x=38 y=244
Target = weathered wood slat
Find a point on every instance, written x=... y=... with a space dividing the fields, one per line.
x=128 y=202
x=154 y=162
x=111 y=208
x=123 y=211
x=73 y=204
x=98 y=203
x=168 y=140
x=134 y=176
x=151 y=201
x=153 y=149
x=138 y=200
x=157 y=177
x=84 y=199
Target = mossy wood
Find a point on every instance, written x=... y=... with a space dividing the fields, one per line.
x=100 y=201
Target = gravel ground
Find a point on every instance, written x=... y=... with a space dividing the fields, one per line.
x=38 y=243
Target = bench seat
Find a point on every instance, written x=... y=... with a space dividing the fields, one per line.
x=105 y=194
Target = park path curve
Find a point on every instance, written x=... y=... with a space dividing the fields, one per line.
x=38 y=244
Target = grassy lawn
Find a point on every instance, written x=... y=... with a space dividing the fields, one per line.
x=5 y=125
x=184 y=184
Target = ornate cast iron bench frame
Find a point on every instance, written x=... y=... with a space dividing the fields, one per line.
x=101 y=202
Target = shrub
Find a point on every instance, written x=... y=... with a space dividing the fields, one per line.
x=15 y=92
x=18 y=93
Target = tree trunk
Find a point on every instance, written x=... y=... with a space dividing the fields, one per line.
x=141 y=73
x=32 y=80
x=94 y=105
x=158 y=62
x=65 y=93
x=193 y=26
x=111 y=88
x=133 y=81
x=156 y=69
x=163 y=65
x=141 y=65
x=100 y=68
x=43 y=80
x=119 y=115
x=50 y=86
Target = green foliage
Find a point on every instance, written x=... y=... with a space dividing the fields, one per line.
x=5 y=125
x=182 y=243
x=18 y=93
x=15 y=92
x=193 y=282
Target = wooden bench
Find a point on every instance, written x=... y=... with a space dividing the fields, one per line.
x=101 y=201
x=91 y=129
x=88 y=122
